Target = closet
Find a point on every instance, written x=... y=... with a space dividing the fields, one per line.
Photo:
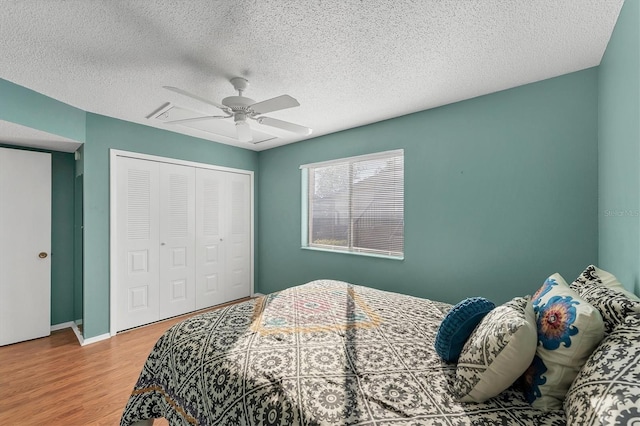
x=182 y=238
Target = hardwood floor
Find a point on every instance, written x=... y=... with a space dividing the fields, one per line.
x=55 y=381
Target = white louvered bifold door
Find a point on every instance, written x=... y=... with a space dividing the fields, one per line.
x=238 y=237
x=183 y=236
x=137 y=236
x=177 y=235
x=223 y=237
x=210 y=254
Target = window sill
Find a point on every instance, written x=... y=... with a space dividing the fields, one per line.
x=355 y=253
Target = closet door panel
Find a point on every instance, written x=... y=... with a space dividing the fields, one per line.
x=238 y=237
x=137 y=236
x=210 y=249
x=177 y=236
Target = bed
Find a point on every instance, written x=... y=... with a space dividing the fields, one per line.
x=326 y=352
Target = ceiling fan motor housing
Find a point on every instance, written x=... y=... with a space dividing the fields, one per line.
x=238 y=103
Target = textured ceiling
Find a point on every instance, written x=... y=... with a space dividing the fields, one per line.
x=348 y=62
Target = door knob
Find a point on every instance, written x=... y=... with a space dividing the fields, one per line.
x=42 y=255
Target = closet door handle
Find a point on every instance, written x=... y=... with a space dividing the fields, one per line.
x=163 y=244
x=42 y=255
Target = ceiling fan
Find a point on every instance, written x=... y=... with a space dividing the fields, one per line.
x=242 y=108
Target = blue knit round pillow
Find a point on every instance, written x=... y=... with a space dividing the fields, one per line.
x=458 y=324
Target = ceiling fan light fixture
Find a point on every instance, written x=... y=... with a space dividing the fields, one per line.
x=243 y=131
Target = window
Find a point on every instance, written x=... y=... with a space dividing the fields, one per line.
x=355 y=204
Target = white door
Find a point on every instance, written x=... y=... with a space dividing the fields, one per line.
x=238 y=235
x=25 y=244
x=137 y=236
x=223 y=237
x=210 y=259
x=177 y=240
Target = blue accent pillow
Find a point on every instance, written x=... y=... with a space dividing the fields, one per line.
x=458 y=324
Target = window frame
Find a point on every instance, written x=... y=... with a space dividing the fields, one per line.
x=305 y=222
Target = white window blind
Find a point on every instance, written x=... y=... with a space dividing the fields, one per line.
x=356 y=204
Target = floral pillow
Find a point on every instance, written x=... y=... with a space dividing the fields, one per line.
x=497 y=352
x=569 y=329
x=607 y=389
x=604 y=292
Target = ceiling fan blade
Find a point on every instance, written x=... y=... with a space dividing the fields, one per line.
x=196 y=119
x=243 y=131
x=196 y=97
x=285 y=125
x=274 y=104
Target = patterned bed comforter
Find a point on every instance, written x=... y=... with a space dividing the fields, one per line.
x=326 y=352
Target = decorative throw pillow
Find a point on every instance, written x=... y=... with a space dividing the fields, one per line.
x=607 y=389
x=602 y=290
x=458 y=324
x=569 y=329
x=498 y=351
x=613 y=306
x=594 y=275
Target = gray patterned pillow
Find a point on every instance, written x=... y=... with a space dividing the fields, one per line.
x=603 y=290
x=594 y=275
x=607 y=389
x=498 y=351
x=613 y=305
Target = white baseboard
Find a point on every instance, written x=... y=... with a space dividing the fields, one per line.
x=77 y=332
x=257 y=295
x=73 y=325
x=68 y=324
x=95 y=339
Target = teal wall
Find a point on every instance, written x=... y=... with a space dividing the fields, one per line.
x=62 y=239
x=62 y=244
x=103 y=133
x=500 y=192
x=32 y=109
x=29 y=108
x=78 y=245
x=78 y=235
x=619 y=150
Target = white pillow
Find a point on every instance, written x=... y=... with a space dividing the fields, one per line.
x=498 y=351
